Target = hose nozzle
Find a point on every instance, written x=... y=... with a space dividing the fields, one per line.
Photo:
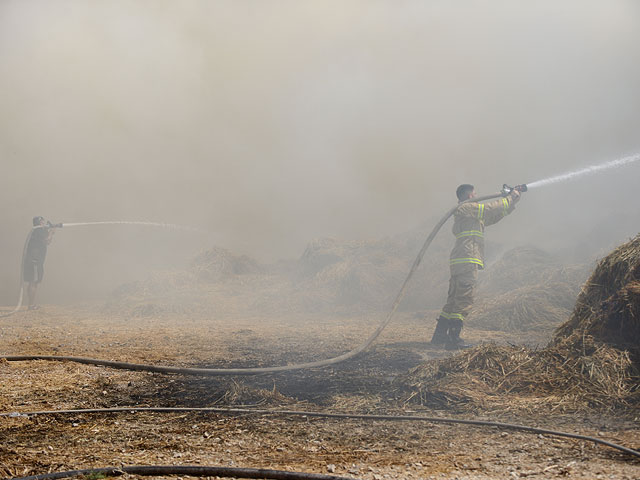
x=506 y=189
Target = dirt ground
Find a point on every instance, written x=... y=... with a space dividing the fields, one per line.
x=352 y=448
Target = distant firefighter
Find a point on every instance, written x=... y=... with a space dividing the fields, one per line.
x=467 y=257
x=33 y=266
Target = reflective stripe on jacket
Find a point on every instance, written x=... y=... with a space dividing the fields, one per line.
x=468 y=228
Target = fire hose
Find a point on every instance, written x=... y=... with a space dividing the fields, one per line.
x=189 y=470
x=260 y=370
x=395 y=418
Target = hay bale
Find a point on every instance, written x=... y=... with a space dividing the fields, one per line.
x=363 y=274
x=218 y=263
x=519 y=378
x=526 y=267
x=516 y=268
x=160 y=293
x=324 y=252
x=527 y=289
x=528 y=308
x=367 y=275
x=158 y=285
x=608 y=307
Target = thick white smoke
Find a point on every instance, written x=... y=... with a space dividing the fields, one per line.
x=271 y=123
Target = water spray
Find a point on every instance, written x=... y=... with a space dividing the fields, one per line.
x=586 y=171
x=563 y=177
x=123 y=222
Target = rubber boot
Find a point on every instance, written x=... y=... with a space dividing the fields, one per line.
x=454 y=342
x=440 y=336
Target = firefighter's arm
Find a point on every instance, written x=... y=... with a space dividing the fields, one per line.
x=50 y=233
x=498 y=209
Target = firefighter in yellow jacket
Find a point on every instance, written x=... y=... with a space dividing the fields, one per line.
x=467 y=257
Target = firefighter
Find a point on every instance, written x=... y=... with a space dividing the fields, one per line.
x=467 y=257
x=33 y=266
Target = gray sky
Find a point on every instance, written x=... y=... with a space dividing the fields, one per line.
x=269 y=123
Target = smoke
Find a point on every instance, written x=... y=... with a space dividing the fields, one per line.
x=267 y=124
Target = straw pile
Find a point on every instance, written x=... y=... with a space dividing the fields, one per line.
x=591 y=363
x=218 y=263
x=347 y=276
x=217 y=281
x=160 y=293
x=526 y=290
x=353 y=274
x=367 y=275
x=518 y=378
x=524 y=267
x=532 y=308
x=608 y=308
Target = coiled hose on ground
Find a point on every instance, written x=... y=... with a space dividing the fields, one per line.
x=255 y=371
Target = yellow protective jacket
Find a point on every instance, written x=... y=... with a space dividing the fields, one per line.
x=468 y=227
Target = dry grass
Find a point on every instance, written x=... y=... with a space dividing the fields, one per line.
x=510 y=378
x=370 y=451
x=526 y=290
x=530 y=308
x=592 y=362
x=608 y=308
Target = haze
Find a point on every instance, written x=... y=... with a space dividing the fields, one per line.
x=270 y=123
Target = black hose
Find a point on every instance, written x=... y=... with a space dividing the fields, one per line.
x=397 y=418
x=190 y=470
x=256 y=371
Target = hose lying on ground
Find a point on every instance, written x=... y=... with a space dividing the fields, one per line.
x=254 y=371
x=397 y=418
x=190 y=470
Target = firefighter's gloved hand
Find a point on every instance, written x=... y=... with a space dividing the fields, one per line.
x=515 y=195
